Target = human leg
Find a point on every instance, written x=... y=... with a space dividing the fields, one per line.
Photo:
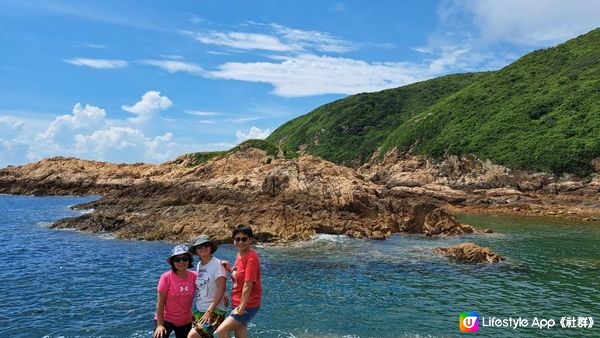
x=182 y=331
x=241 y=332
x=228 y=325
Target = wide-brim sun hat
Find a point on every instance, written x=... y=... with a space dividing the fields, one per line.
x=201 y=240
x=178 y=250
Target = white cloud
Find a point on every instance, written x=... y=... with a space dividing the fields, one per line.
x=212 y=52
x=313 y=75
x=241 y=40
x=253 y=133
x=313 y=40
x=530 y=23
x=98 y=63
x=151 y=103
x=278 y=39
x=81 y=118
x=174 y=66
x=158 y=148
x=96 y=46
x=11 y=122
x=201 y=113
x=244 y=119
x=172 y=56
x=447 y=60
x=89 y=134
x=339 y=7
x=109 y=139
x=195 y=19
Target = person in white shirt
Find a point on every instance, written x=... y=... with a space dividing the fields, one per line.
x=210 y=300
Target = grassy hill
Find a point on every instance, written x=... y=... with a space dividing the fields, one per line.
x=540 y=113
x=352 y=128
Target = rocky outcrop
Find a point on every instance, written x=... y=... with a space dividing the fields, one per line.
x=283 y=200
x=289 y=200
x=469 y=184
x=469 y=253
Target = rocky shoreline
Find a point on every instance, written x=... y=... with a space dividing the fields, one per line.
x=294 y=199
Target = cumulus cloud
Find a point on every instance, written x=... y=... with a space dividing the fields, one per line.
x=111 y=138
x=80 y=118
x=117 y=143
x=532 y=23
x=98 y=63
x=253 y=133
x=88 y=133
x=175 y=66
x=151 y=103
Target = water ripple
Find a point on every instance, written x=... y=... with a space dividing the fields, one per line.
x=68 y=284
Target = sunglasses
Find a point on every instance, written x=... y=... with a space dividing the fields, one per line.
x=203 y=245
x=241 y=239
x=181 y=259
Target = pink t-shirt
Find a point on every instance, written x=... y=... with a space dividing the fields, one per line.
x=180 y=296
x=247 y=270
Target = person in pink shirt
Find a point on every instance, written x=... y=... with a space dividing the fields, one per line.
x=176 y=290
x=247 y=287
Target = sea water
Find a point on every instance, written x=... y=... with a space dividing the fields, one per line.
x=59 y=283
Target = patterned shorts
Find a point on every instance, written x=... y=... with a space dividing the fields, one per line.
x=206 y=330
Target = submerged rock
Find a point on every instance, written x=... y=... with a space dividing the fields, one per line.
x=469 y=253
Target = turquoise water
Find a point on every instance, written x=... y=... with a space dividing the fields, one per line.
x=57 y=283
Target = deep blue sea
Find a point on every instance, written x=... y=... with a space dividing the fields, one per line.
x=57 y=283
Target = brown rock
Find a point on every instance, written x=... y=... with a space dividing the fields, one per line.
x=469 y=253
x=441 y=222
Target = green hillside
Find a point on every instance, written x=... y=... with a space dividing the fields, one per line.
x=353 y=128
x=540 y=113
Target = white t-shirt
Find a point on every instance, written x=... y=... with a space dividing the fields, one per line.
x=206 y=284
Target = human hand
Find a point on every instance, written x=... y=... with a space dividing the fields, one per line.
x=206 y=318
x=160 y=331
x=238 y=311
x=226 y=265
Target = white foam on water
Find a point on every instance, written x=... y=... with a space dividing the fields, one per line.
x=107 y=235
x=44 y=224
x=331 y=238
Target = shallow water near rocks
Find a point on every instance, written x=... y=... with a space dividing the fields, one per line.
x=57 y=283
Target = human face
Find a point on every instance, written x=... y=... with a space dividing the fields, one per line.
x=181 y=262
x=203 y=249
x=241 y=241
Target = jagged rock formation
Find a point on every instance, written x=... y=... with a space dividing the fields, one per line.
x=284 y=200
x=469 y=253
x=472 y=184
x=294 y=199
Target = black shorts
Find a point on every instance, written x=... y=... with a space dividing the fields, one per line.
x=180 y=331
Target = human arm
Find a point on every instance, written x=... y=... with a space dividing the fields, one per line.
x=241 y=309
x=160 y=330
x=229 y=268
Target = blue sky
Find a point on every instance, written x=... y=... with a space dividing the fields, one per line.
x=147 y=81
